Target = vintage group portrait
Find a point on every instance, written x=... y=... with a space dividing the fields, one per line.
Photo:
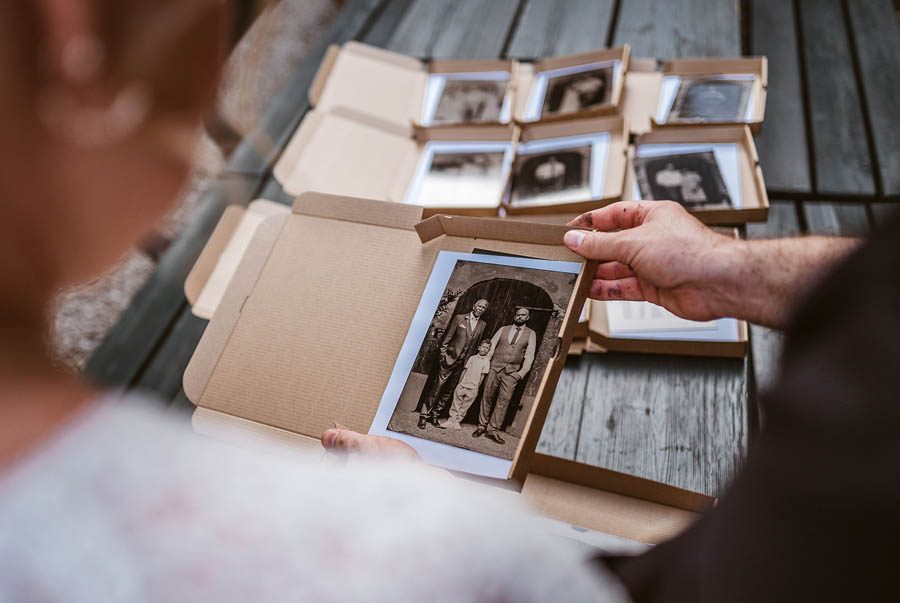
x=467 y=98
x=476 y=352
x=694 y=177
x=708 y=99
x=572 y=89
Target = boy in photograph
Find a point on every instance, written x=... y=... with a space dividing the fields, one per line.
x=464 y=395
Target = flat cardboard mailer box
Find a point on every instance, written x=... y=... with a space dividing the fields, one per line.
x=754 y=200
x=613 y=172
x=644 y=85
x=390 y=86
x=357 y=155
x=528 y=73
x=283 y=357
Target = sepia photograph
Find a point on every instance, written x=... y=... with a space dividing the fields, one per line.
x=471 y=101
x=711 y=100
x=461 y=175
x=477 y=351
x=580 y=91
x=552 y=174
x=692 y=179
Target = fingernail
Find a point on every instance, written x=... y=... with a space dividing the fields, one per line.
x=574 y=238
x=328 y=438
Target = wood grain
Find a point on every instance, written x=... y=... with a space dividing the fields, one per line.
x=561 y=428
x=557 y=27
x=842 y=162
x=838 y=219
x=782 y=144
x=687 y=28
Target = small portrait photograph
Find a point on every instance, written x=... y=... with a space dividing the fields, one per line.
x=461 y=175
x=552 y=174
x=692 y=179
x=711 y=100
x=465 y=101
x=580 y=91
x=475 y=355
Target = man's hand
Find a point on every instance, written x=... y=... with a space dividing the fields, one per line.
x=655 y=251
x=344 y=441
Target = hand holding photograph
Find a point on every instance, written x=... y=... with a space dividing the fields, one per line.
x=475 y=354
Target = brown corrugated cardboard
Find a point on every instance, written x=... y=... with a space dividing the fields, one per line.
x=384 y=84
x=616 y=160
x=642 y=87
x=355 y=155
x=527 y=73
x=292 y=345
x=599 y=334
x=754 y=198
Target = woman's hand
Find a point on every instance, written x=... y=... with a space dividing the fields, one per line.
x=346 y=442
x=656 y=251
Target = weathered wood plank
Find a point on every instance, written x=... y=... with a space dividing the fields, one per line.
x=842 y=162
x=837 y=219
x=689 y=28
x=876 y=32
x=556 y=27
x=681 y=421
x=560 y=434
x=257 y=153
x=468 y=29
x=782 y=144
x=389 y=16
x=273 y=191
x=162 y=375
x=766 y=344
x=146 y=320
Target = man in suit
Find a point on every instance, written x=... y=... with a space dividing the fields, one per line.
x=458 y=343
x=512 y=354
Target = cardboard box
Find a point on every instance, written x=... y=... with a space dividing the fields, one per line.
x=644 y=83
x=673 y=342
x=244 y=376
x=386 y=85
x=356 y=155
x=527 y=76
x=754 y=205
x=615 y=165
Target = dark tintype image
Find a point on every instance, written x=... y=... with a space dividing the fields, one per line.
x=455 y=177
x=470 y=101
x=550 y=173
x=692 y=179
x=578 y=91
x=710 y=99
x=477 y=372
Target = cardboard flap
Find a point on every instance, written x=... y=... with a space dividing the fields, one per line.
x=363 y=211
x=455 y=133
x=322 y=73
x=339 y=153
x=594 y=56
x=373 y=81
x=710 y=66
x=469 y=65
x=491 y=228
x=207 y=259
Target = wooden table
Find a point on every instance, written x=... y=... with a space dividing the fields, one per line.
x=830 y=152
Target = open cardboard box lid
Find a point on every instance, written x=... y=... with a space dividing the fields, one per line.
x=245 y=383
x=754 y=198
x=387 y=85
x=357 y=155
x=527 y=74
x=640 y=102
x=614 y=172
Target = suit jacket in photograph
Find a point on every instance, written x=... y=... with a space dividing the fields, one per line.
x=460 y=339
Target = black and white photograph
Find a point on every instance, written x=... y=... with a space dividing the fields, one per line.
x=711 y=100
x=692 y=179
x=477 y=351
x=551 y=174
x=581 y=91
x=465 y=101
x=461 y=175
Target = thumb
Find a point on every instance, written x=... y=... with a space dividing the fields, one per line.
x=595 y=245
